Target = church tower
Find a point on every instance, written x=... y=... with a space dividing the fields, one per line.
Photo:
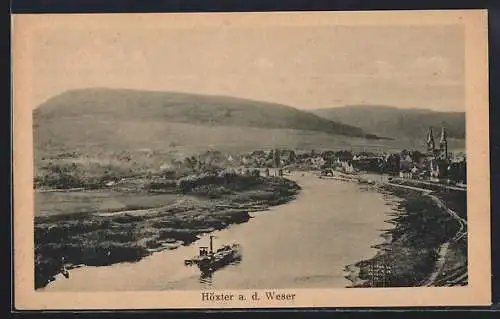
x=431 y=146
x=443 y=145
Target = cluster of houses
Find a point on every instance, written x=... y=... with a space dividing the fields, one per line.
x=435 y=163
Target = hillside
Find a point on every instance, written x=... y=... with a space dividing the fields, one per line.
x=395 y=122
x=134 y=105
x=150 y=128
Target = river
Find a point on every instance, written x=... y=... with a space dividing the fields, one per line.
x=302 y=244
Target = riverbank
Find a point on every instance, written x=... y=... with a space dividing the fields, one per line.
x=425 y=247
x=98 y=239
x=301 y=244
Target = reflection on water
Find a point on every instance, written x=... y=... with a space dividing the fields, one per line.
x=302 y=244
x=206 y=278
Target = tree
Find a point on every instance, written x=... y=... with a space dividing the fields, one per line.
x=416 y=156
x=404 y=153
x=327 y=154
x=270 y=156
x=277 y=159
x=458 y=172
x=392 y=164
x=344 y=155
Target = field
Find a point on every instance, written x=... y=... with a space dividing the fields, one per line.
x=155 y=141
x=66 y=203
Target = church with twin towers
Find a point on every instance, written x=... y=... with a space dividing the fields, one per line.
x=442 y=151
x=439 y=158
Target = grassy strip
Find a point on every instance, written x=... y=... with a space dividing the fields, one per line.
x=453 y=199
x=410 y=252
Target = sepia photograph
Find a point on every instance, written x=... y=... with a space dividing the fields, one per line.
x=234 y=160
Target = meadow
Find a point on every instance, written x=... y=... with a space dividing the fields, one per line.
x=97 y=201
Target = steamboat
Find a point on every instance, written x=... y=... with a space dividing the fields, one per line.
x=209 y=260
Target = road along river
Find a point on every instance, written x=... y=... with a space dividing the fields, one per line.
x=305 y=243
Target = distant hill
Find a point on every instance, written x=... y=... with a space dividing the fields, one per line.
x=134 y=105
x=112 y=124
x=152 y=127
x=396 y=122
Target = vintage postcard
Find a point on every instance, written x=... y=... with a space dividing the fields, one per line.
x=251 y=160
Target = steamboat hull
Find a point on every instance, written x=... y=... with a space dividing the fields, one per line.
x=217 y=262
x=209 y=262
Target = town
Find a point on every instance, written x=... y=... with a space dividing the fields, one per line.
x=435 y=164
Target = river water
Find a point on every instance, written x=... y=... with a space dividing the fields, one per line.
x=302 y=244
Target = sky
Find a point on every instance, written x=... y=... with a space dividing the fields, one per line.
x=306 y=67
